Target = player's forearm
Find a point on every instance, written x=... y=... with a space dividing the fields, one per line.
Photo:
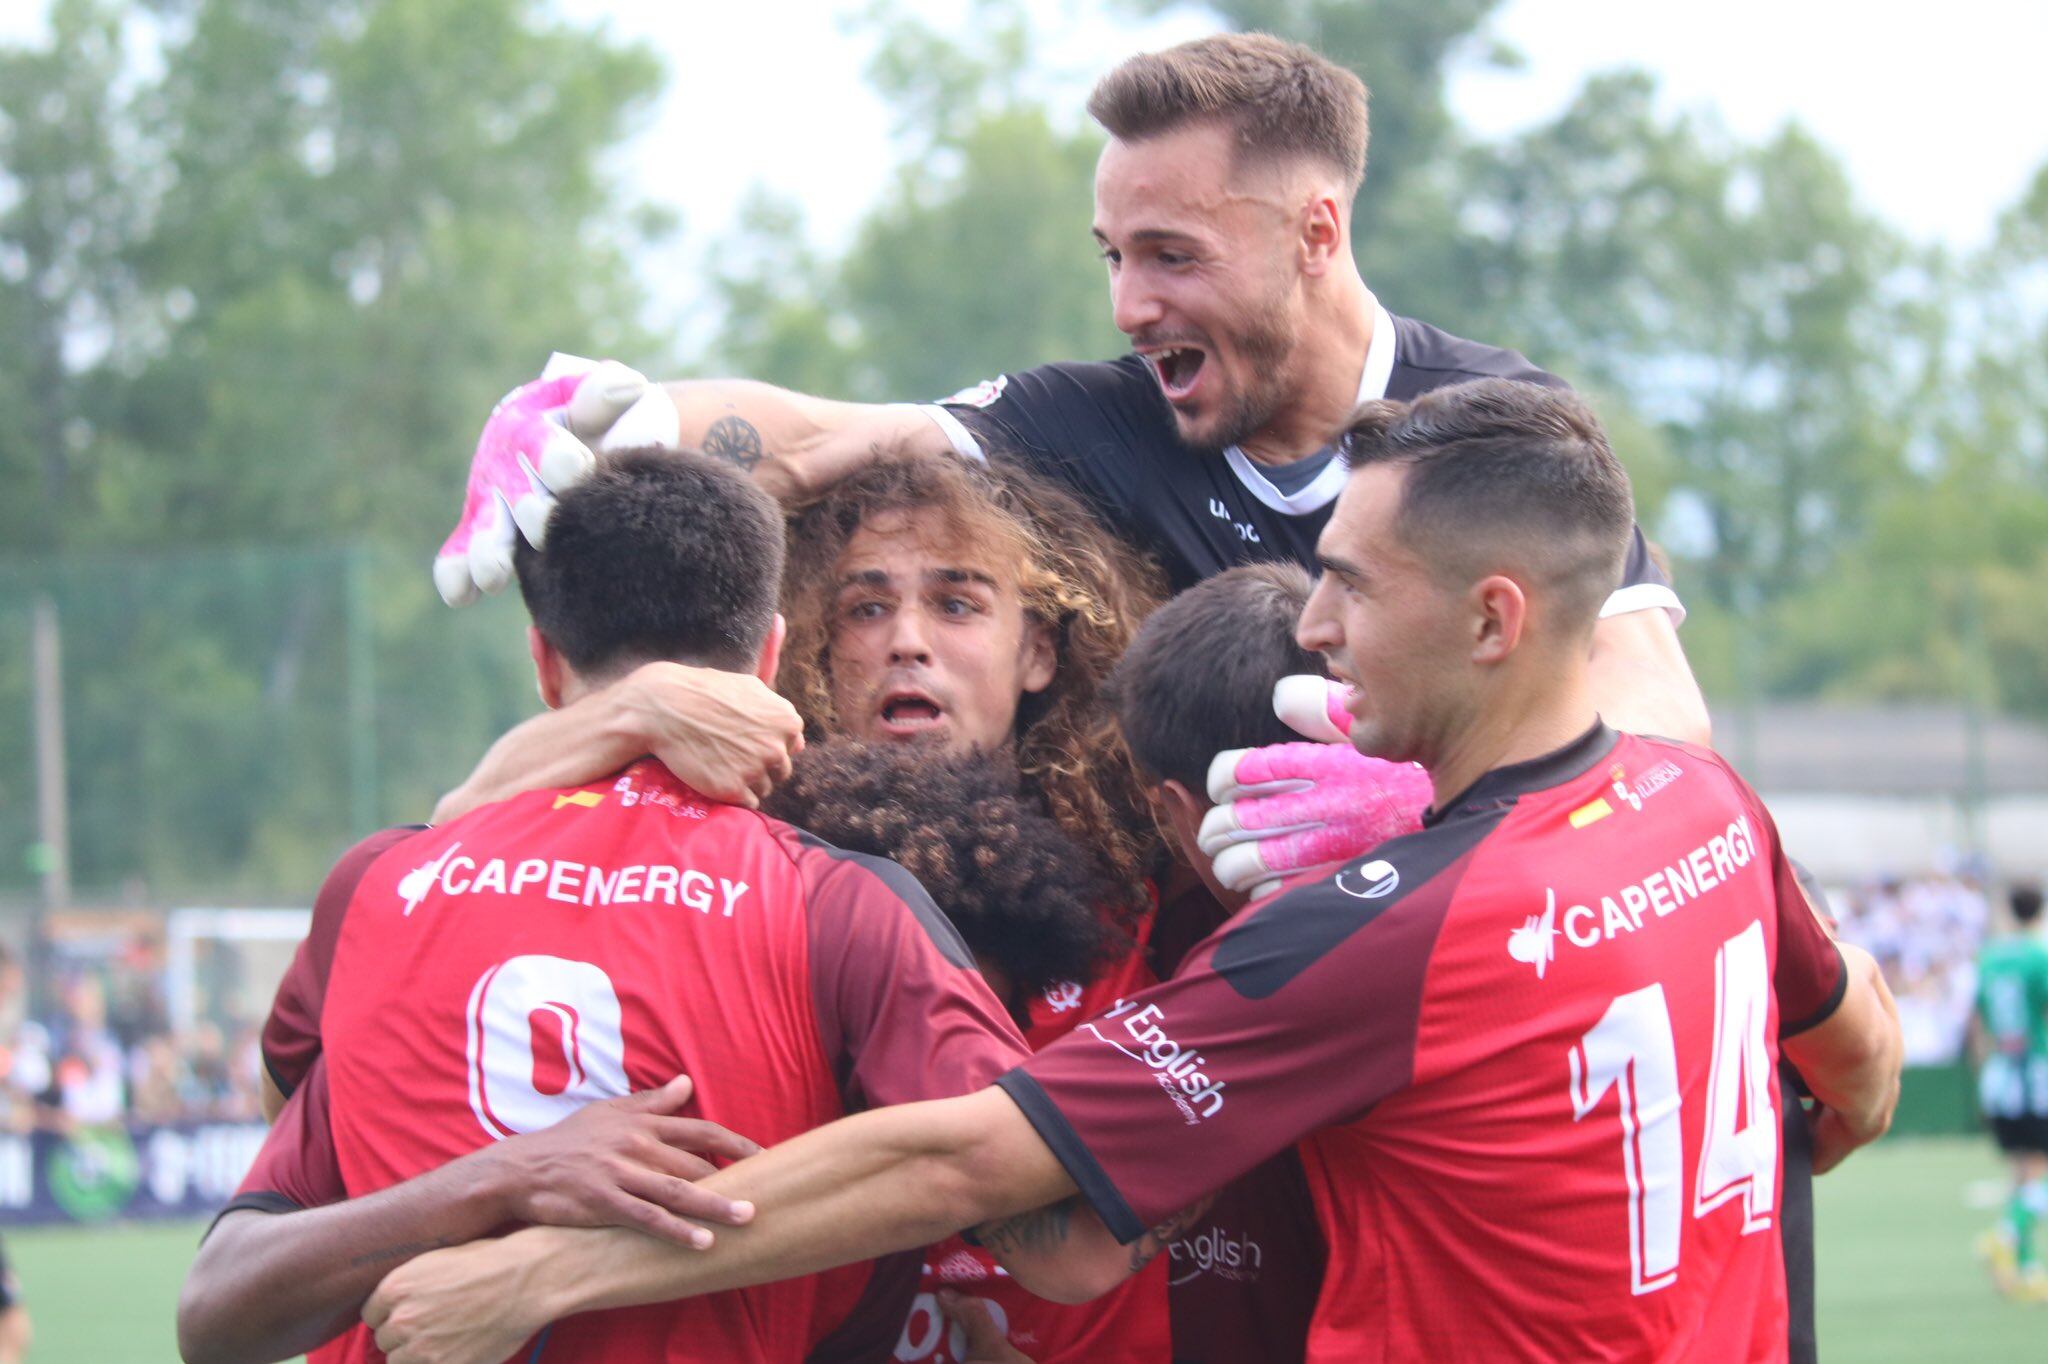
x=795 y=445
x=1852 y=1061
x=1641 y=681
x=580 y=742
x=268 y=1286
x=1064 y=1253
x=878 y=1182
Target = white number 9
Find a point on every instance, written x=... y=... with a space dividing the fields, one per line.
x=544 y=1040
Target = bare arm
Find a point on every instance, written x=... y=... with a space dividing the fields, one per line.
x=1851 y=1062
x=1064 y=1253
x=885 y=1180
x=273 y=1097
x=1641 y=681
x=269 y=1285
x=726 y=734
x=796 y=445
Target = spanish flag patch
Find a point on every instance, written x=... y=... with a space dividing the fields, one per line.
x=589 y=799
x=1591 y=812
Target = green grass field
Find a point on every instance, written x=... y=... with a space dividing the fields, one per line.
x=1897 y=1280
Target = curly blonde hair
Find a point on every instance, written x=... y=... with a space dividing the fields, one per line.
x=1091 y=592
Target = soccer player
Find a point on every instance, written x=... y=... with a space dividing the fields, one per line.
x=1223 y=210
x=491 y=976
x=2012 y=1087
x=1532 y=1045
x=947 y=609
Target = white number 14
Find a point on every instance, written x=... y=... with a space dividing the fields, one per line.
x=1632 y=1050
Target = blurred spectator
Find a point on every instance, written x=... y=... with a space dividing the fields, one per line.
x=89 y=1071
x=1925 y=933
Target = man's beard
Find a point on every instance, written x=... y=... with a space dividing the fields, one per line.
x=1263 y=344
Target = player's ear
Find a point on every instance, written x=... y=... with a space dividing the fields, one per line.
x=1040 y=656
x=1322 y=233
x=1182 y=811
x=550 y=673
x=771 y=650
x=1499 y=614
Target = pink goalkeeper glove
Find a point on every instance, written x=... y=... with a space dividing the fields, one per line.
x=532 y=447
x=1288 y=807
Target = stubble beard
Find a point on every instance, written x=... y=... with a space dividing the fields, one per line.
x=1264 y=345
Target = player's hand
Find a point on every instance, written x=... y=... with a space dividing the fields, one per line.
x=985 y=1342
x=538 y=441
x=727 y=735
x=626 y=1162
x=1288 y=807
x=464 y=1305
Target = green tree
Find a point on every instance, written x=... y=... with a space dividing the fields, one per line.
x=253 y=291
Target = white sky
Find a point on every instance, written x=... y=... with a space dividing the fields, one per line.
x=1927 y=104
x=1929 y=117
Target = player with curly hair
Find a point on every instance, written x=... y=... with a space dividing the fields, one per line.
x=966 y=617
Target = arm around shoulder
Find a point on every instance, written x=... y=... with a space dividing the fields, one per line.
x=795 y=445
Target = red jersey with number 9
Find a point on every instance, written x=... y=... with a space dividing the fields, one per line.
x=490 y=976
x=1533 y=1048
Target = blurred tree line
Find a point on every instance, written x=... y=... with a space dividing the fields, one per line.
x=263 y=263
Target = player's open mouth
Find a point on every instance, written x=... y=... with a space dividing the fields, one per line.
x=1178 y=368
x=906 y=714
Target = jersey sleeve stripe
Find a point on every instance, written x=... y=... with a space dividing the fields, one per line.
x=964 y=443
x=1071 y=1152
x=1827 y=1009
x=255 y=1201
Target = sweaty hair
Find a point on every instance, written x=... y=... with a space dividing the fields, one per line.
x=1506 y=474
x=1089 y=590
x=1199 y=677
x=2025 y=900
x=659 y=554
x=1281 y=99
x=1020 y=890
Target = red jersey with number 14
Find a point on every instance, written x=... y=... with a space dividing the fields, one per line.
x=494 y=974
x=1534 y=1047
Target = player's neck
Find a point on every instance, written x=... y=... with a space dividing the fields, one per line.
x=1331 y=362
x=1513 y=726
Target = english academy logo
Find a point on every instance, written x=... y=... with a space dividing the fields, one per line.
x=1535 y=942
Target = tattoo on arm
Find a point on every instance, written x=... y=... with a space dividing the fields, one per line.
x=392 y=1254
x=1039 y=1229
x=734 y=440
x=1146 y=1248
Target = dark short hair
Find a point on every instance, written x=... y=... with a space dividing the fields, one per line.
x=1497 y=469
x=2025 y=899
x=659 y=554
x=1280 y=98
x=1199 y=677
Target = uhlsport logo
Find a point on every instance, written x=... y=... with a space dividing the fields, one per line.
x=1376 y=880
x=1140 y=1033
x=1535 y=942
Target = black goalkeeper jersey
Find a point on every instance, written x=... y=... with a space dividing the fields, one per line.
x=1104 y=430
